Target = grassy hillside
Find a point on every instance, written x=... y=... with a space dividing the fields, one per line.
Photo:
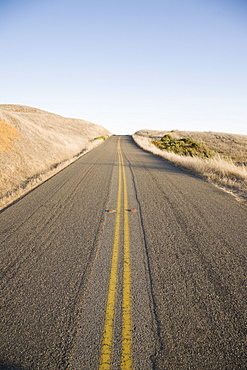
x=34 y=144
x=219 y=158
x=229 y=146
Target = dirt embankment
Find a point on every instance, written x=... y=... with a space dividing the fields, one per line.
x=8 y=133
x=35 y=144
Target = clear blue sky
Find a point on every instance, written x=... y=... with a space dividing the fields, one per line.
x=128 y=65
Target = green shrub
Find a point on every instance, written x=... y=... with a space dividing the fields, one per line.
x=166 y=138
x=183 y=146
x=98 y=138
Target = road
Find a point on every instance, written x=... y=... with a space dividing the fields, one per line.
x=124 y=261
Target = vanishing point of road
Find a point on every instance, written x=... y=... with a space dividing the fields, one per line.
x=123 y=261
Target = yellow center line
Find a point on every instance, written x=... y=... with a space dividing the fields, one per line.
x=106 y=349
x=126 y=362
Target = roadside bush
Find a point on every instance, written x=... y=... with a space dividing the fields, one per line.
x=99 y=138
x=183 y=146
x=166 y=138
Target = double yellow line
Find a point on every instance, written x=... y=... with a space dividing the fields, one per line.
x=107 y=343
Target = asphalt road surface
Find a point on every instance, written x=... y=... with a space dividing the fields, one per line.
x=123 y=261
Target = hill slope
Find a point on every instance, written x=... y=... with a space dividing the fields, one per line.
x=34 y=142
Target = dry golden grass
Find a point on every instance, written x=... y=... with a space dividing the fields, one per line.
x=36 y=144
x=226 y=170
